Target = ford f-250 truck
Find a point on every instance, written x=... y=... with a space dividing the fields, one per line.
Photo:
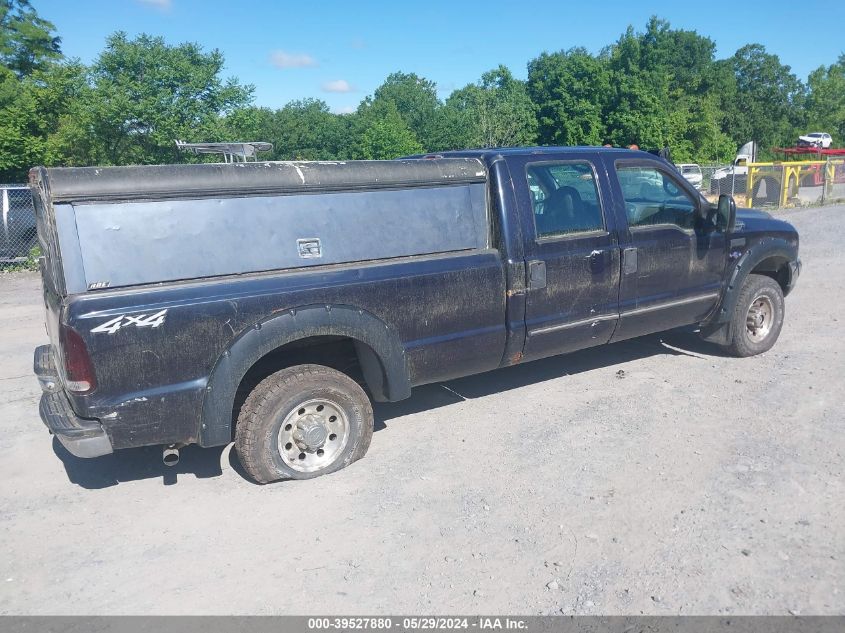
x=268 y=303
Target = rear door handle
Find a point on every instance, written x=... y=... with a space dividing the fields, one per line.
x=536 y=274
x=629 y=261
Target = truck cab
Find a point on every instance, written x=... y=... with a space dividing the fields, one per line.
x=623 y=232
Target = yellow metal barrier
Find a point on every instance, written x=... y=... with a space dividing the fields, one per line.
x=791 y=175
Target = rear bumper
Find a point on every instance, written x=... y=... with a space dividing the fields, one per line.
x=80 y=436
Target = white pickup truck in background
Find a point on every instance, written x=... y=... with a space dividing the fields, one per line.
x=733 y=179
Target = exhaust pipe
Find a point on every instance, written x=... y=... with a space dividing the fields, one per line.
x=170 y=455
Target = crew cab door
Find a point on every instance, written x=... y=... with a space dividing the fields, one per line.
x=673 y=258
x=571 y=251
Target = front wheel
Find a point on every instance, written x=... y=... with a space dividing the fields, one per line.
x=757 y=318
x=303 y=422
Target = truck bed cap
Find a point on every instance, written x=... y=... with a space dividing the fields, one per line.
x=150 y=182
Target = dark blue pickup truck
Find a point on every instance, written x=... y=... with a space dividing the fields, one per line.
x=268 y=303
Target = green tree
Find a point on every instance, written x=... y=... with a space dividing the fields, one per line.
x=656 y=87
x=693 y=119
x=637 y=110
x=826 y=100
x=381 y=133
x=768 y=105
x=665 y=88
x=32 y=111
x=250 y=123
x=416 y=101
x=495 y=112
x=307 y=130
x=21 y=128
x=686 y=56
x=454 y=126
x=301 y=130
x=144 y=95
x=569 y=89
x=694 y=131
x=27 y=42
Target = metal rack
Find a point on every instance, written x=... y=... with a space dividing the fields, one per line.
x=238 y=152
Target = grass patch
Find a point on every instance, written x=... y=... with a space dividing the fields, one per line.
x=28 y=264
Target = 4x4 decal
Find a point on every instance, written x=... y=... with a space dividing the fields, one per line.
x=125 y=320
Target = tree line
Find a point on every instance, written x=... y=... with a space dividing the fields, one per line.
x=657 y=87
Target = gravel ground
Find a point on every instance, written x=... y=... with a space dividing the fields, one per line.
x=654 y=476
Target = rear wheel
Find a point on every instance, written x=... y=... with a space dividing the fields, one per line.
x=303 y=422
x=758 y=316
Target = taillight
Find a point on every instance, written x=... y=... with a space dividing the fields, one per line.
x=79 y=370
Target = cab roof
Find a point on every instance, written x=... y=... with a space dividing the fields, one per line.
x=491 y=152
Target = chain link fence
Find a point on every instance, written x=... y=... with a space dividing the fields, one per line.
x=728 y=179
x=17 y=235
x=776 y=185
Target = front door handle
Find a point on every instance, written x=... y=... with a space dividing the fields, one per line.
x=536 y=275
x=596 y=260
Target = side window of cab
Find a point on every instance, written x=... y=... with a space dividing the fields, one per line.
x=652 y=197
x=564 y=198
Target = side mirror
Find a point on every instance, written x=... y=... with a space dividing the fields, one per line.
x=727 y=212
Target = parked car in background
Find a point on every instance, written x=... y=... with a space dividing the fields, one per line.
x=691 y=173
x=17 y=235
x=815 y=139
x=632 y=179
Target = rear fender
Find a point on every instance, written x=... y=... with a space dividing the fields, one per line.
x=292 y=325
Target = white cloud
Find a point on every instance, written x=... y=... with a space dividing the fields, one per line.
x=162 y=5
x=281 y=59
x=345 y=110
x=339 y=85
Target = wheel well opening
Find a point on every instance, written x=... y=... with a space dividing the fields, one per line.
x=776 y=267
x=350 y=356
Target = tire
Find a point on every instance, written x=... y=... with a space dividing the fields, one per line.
x=758 y=317
x=303 y=422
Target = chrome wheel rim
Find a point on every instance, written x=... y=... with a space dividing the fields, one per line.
x=758 y=321
x=313 y=435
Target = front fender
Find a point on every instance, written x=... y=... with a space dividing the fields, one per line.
x=717 y=327
x=286 y=327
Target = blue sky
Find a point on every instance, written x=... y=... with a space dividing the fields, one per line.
x=340 y=51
